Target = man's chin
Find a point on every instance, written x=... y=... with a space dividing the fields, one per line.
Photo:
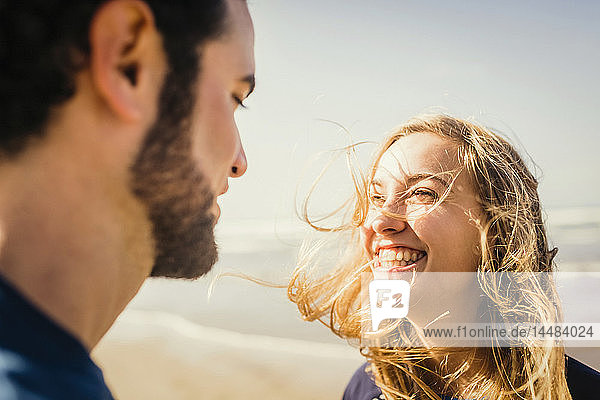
x=190 y=254
x=191 y=267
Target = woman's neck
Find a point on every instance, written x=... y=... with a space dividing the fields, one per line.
x=454 y=372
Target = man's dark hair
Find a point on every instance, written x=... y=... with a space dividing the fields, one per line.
x=44 y=43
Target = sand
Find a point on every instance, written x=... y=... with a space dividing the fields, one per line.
x=155 y=355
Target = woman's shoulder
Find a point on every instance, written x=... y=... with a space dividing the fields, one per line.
x=583 y=381
x=362 y=386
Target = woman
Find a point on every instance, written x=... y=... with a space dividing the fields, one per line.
x=443 y=195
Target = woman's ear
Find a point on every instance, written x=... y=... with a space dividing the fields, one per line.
x=126 y=58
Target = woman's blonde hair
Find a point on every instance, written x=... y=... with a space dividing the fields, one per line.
x=513 y=238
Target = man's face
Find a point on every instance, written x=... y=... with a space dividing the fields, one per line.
x=227 y=78
x=190 y=153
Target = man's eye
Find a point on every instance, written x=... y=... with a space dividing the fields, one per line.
x=238 y=100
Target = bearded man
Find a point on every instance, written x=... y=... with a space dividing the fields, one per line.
x=117 y=134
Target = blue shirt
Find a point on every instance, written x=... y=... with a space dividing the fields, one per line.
x=583 y=382
x=39 y=360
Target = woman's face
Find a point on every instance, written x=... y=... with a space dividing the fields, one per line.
x=411 y=176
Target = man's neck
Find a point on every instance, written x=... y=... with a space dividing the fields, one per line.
x=73 y=244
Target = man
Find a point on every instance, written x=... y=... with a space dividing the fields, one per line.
x=116 y=135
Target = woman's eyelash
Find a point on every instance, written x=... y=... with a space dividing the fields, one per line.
x=425 y=192
x=377 y=198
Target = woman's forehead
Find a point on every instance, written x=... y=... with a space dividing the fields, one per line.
x=418 y=154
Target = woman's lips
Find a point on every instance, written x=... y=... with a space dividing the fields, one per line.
x=397 y=268
x=405 y=268
x=398 y=259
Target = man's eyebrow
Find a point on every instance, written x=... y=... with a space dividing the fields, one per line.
x=251 y=81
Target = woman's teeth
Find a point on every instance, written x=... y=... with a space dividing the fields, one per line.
x=399 y=257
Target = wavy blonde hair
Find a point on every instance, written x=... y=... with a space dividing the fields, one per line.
x=513 y=238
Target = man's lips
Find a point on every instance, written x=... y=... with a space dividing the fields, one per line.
x=224 y=190
x=217 y=207
x=217 y=213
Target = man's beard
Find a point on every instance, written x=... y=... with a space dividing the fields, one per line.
x=167 y=181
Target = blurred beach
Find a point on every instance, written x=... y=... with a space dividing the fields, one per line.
x=247 y=340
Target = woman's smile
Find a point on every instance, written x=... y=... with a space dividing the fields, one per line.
x=417 y=220
x=398 y=259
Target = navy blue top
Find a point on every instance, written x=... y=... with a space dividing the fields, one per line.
x=583 y=382
x=39 y=360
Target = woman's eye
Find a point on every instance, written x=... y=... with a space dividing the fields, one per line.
x=377 y=199
x=422 y=195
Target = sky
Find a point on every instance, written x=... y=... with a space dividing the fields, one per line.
x=526 y=68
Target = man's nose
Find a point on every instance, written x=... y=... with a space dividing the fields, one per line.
x=240 y=164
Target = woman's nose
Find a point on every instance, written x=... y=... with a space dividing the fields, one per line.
x=388 y=223
x=240 y=164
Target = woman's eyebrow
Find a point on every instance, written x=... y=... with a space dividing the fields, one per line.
x=376 y=184
x=415 y=178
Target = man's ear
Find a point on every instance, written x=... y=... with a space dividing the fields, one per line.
x=126 y=56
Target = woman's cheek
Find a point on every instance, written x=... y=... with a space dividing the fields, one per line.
x=420 y=224
x=366 y=236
